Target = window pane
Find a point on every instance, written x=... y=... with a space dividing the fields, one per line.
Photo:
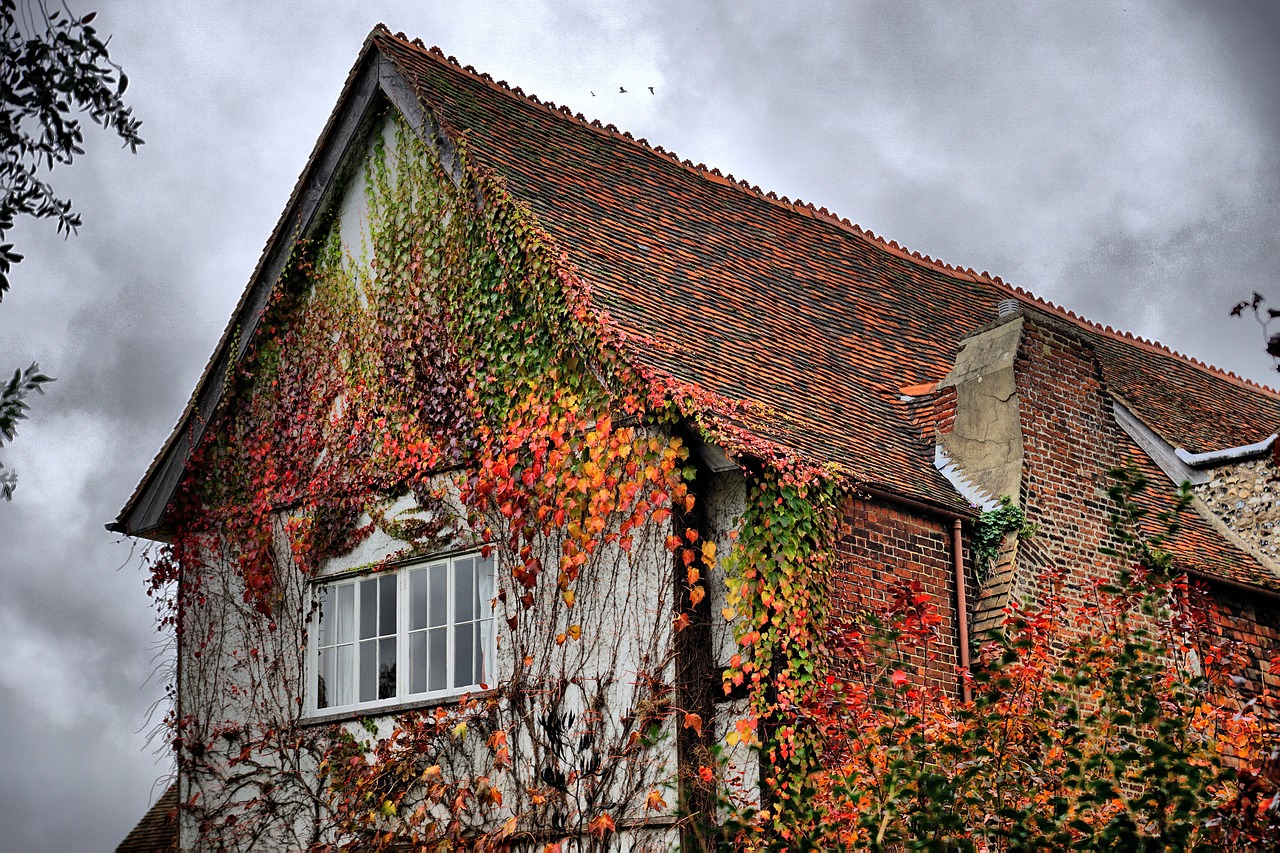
x=484 y=584
x=464 y=591
x=327 y=620
x=417 y=599
x=484 y=666
x=368 y=669
x=439 y=594
x=344 y=677
x=325 y=678
x=463 y=655
x=387 y=605
x=368 y=608
x=344 y=612
x=387 y=668
x=418 y=661
x=437 y=662
x=448 y=625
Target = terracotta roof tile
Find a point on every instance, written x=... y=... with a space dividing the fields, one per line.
x=157 y=832
x=781 y=304
x=817 y=325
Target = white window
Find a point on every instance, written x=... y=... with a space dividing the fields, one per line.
x=422 y=632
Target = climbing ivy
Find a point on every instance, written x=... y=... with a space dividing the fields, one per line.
x=454 y=357
x=990 y=530
x=780 y=573
x=455 y=362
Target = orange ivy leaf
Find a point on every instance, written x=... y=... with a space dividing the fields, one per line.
x=654 y=801
x=601 y=825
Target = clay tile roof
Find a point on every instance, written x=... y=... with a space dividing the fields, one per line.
x=779 y=304
x=817 y=325
x=157 y=832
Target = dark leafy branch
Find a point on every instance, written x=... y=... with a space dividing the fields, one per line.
x=13 y=408
x=1264 y=317
x=53 y=65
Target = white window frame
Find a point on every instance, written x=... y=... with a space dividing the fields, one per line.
x=403 y=696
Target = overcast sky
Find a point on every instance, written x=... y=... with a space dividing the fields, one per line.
x=1123 y=161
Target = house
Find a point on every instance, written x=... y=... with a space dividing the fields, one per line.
x=511 y=396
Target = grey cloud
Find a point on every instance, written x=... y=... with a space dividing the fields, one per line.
x=1033 y=143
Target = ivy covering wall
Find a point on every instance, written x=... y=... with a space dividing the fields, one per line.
x=451 y=355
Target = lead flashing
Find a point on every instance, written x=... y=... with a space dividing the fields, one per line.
x=1214 y=458
x=1164 y=454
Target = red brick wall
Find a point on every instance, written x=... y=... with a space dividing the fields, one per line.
x=1069 y=446
x=1253 y=622
x=1070 y=443
x=886 y=545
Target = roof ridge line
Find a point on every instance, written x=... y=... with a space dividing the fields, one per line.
x=822 y=214
x=1132 y=339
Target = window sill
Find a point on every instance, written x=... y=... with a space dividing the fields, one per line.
x=391 y=710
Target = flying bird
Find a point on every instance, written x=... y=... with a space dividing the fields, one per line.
x=622 y=91
x=593 y=94
x=650 y=90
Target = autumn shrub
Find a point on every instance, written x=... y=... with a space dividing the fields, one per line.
x=1106 y=715
x=1114 y=724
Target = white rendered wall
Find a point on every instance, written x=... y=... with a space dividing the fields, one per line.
x=244 y=673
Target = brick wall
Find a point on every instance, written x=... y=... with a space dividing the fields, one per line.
x=886 y=545
x=1253 y=622
x=1070 y=442
x=1069 y=445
